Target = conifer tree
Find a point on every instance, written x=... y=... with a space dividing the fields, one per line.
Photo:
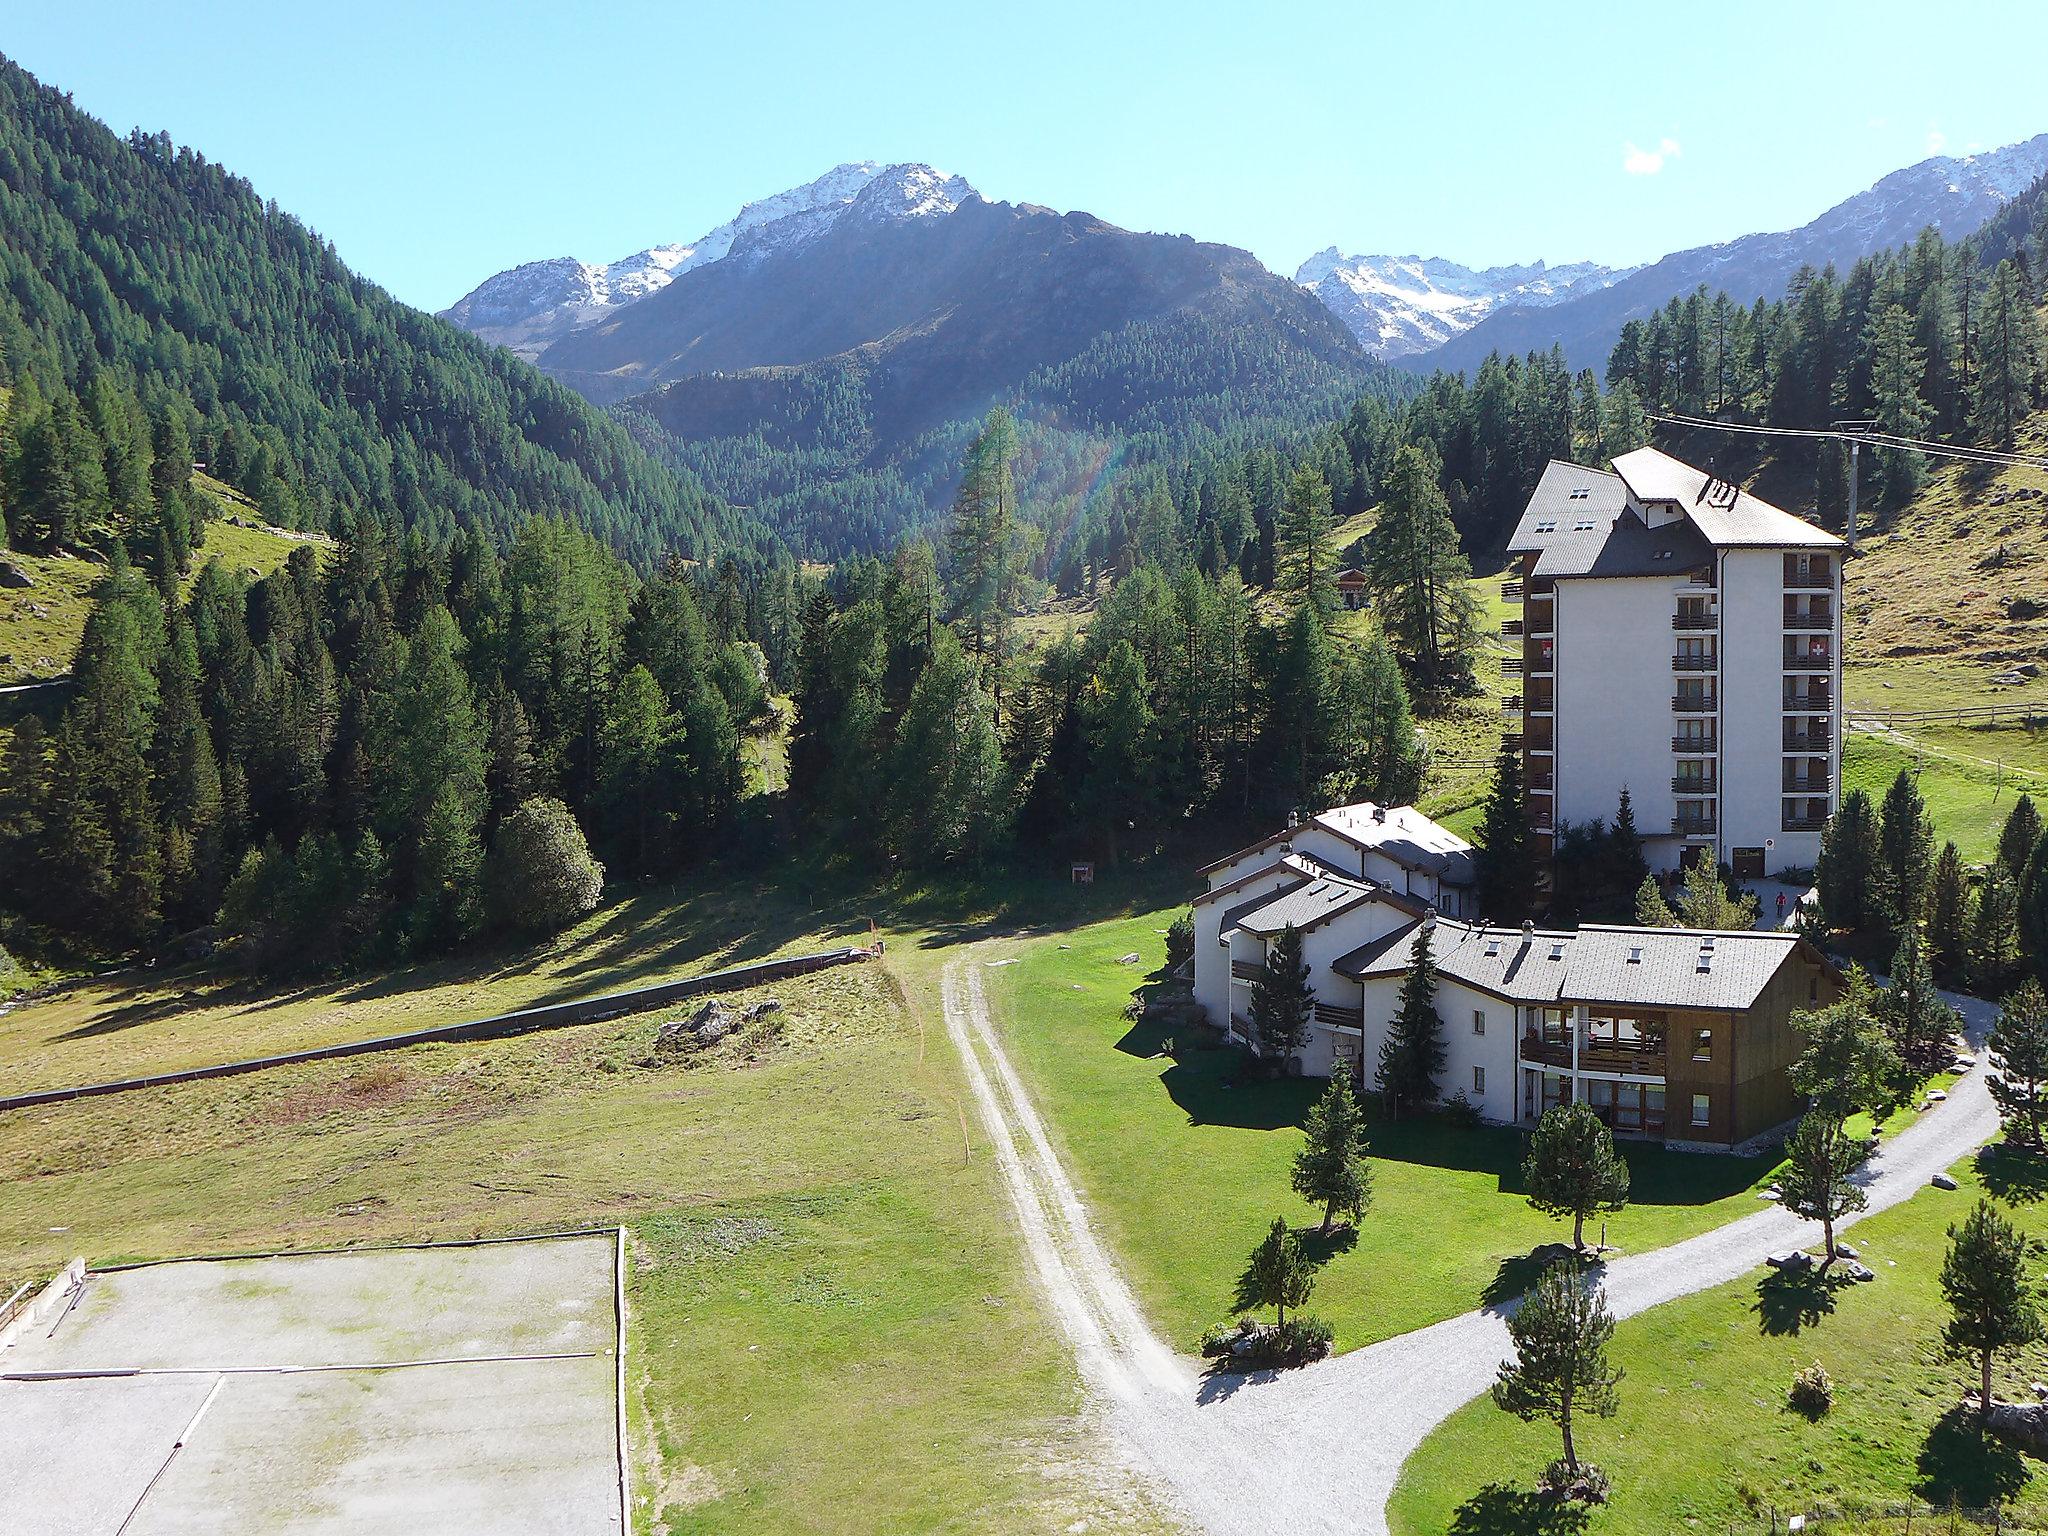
x=1846 y=1066
x=1994 y=945
x=1921 y=1025
x=1818 y=1180
x=1330 y=1170
x=1948 y=914
x=1420 y=580
x=1572 y=1168
x=1847 y=870
x=1895 y=366
x=2009 y=359
x=2019 y=835
x=2019 y=1041
x=1652 y=910
x=981 y=539
x=1281 y=1000
x=1413 y=1052
x=1306 y=573
x=1560 y=1369
x=1505 y=857
x=1704 y=900
x=1994 y=1307
x=1278 y=1275
x=1117 y=721
x=1906 y=851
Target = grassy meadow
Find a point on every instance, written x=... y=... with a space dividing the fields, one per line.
x=1705 y=1440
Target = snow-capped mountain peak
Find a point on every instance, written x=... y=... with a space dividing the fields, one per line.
x=532 y=306
x=1396 y=305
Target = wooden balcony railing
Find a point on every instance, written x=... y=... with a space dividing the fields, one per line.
x=1340 y=1018
x=1808 y=741
x=1810 y=621
x=1510 y=666
x=1692 y=704
x=1685 y=786
x=1693 y=826
x=1246 y=970
x=1695 y=663
x=1804 y=824
x=1513 y=591
x=1693 y=621
x=1805 y=784
x=1511 y=705
x=1693 y=746
x=1510 y=629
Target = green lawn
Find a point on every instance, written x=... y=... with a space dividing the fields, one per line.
x=1704 y=1439
x=1968 y=801
x=141 y=1021
x=831 y=1327
x=1184 y=1170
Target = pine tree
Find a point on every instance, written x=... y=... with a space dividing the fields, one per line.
x=1948 y=914
x=1572 y=1168
x=1413 y=1052
x=1994 y=1308
x=1505 y=857
x=1705 y=901
x=2019 y=835
x=540 y=875
x=1652 y=910
x=1817 y=1180
x=2019 y=1041
x=1421 y=582
x=1281 y=1000
x=981 y=539
x=2009 y=359
x=1278 y=1275
x=950 y=800
x=1624 y=867
x=1330 y=1170
x=1560 y=1370
x=1305 y=572
x=1994 y=946
x=1116 y=724
x=1921 y=1025
x=1850 y=856
x=1896 y=365
x=1906 y=852
x=1387 y=752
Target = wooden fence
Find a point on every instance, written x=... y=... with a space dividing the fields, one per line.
x=500 y=1026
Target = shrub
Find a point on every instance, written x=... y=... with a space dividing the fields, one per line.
x=1588 y=1485
x=1812 y=1393
x=541 y=874
x=1459 y=1111
x=1253 y=1346
x=1180 y=941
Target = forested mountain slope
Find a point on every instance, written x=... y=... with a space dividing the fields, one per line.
x=307 y=386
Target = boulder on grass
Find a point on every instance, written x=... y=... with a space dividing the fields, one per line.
x=12 y=575
x=1942 y=1181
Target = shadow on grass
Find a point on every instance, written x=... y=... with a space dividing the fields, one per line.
x=1220 y=1382
x=2016 y=1175
x=1501 y=1509
x=1961 y=1465
x=1788 y=1301
x=1319 y=1247
x=1516 y=1274
x=1205 y=1082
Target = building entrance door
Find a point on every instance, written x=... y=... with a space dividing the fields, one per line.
x=1749 y=863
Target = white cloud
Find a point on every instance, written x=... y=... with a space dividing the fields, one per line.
x=1937 y=141
x=1638 y=161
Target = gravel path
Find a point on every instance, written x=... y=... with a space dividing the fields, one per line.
x=1318 y=1450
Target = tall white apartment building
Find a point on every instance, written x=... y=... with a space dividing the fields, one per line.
x=1682 y=639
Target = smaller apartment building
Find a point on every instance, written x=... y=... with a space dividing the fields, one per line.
x=1673 y=1034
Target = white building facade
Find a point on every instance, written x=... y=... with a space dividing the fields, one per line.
x=1681 y=639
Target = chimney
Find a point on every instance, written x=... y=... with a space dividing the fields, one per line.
x=1429 y=919
x=1379 y=813
x=1528 y=931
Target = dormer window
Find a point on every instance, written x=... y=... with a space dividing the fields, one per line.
x=1583 y=525
x=1546 y=525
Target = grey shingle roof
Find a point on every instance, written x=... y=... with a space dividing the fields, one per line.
x=1233 y=915
x=1555 y=528
x=1589 y=966
x=1725 y=513
x=1667 y=973
x=1306 y=906
x=1406 y=836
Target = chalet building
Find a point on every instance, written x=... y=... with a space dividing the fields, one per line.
x=1351 y=587
x=1682 y=639
x=1393 y=846
x=1674 y=1034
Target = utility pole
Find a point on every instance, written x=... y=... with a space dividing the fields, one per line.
x=1849 y=430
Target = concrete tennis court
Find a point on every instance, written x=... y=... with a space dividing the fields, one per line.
x=423 y=1391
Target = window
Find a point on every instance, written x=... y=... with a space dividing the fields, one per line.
x=1479 y=1079
x=1703 y=1045
x=1813 y=989
x=1547 y=525
x=1702 y=1109
x=1478 y=1021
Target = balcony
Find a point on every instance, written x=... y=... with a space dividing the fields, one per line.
x=1694 y=621
x=1693 y=746
x=1809 y=580
x=1513 y=591
x=1339 y=1018
x=1510 y=666
x=1695 y=663
x=1540 y=615
x=1692 y=704
x=1547 y=1051
x=1813 y=701
x=1694 y=826
x=1510 y=629
x=1511 y=705
x=1512 y=740
x=1685 y=786
x=1627 y=1060
x=1541 y=818
x=1803 y=824
x=1805 y=784
x=1246 y=970
x=1810 y=740
x=1809 y=658
x=1824 y=622
x=1541 y=779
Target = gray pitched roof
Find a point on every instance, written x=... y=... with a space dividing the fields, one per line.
x=1725 y=513
x=1503 y=961
x=1578 y=523
x=1306 y=906
x=1667 y=971
x=1404 y=835
x=1592 y=965
x=1232 y=916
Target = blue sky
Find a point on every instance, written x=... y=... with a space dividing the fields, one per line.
x=436 y=144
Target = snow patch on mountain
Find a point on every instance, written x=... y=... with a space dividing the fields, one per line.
x=1398 y=305
x=531 y=306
